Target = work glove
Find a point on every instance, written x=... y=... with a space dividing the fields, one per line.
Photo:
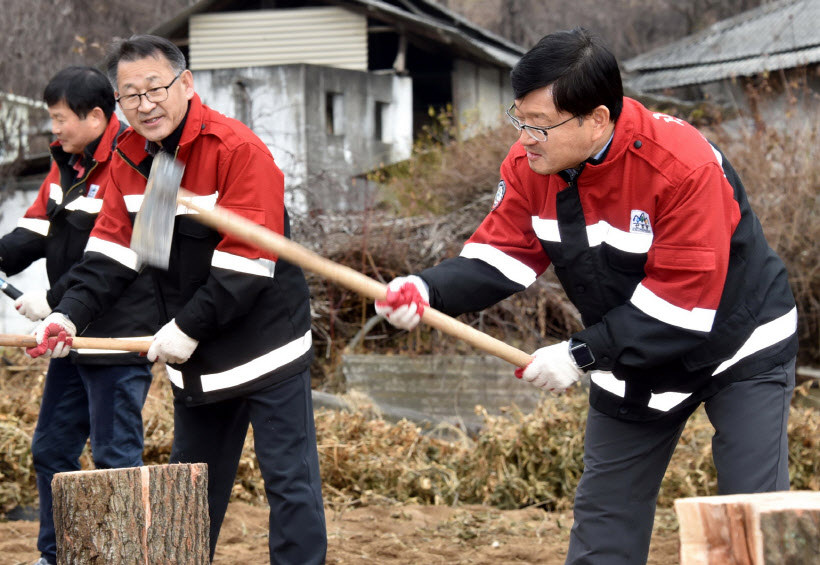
x=54 y=336
x=552 y=368
x=171 y=345
x=33 y=305
x=405 y=302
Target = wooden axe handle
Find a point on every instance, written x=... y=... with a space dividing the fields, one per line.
x=106 y=343
x=263 y=238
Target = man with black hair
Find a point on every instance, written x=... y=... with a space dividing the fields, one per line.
x=234 y=321
x=684 y=303
x=91 y=394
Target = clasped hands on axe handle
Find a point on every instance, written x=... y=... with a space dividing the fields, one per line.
x=263 y=238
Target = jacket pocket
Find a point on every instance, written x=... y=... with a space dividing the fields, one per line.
x=194 y=246
x=684 y=258
x=624 y=261
x=81 y=222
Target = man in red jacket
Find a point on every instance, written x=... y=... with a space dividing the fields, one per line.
x=233 y=321
x=94 y=394
x=684 y=303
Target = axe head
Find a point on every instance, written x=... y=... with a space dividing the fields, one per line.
x=154 y=225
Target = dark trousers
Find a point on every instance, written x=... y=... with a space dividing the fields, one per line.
x=624 y=463
x=285 y=443
x=103 y=402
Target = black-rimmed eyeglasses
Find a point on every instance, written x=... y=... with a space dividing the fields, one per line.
x=154 y=95
x=536 y=132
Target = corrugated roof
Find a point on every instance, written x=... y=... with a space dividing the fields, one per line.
x=778 y=35
x=424 y=17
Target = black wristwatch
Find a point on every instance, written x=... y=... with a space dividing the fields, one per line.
x=581 y=354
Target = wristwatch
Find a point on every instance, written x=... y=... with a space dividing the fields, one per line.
x=581 y=354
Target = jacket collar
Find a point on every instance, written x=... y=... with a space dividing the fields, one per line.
x=106 y=143
x=621 y=139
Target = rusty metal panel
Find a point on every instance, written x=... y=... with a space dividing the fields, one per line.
x=327 y=36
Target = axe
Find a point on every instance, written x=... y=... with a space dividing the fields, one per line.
x=153 y=230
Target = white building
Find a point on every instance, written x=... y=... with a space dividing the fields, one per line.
x=338 y=88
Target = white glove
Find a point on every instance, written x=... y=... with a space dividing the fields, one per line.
x=33 y=305
x=552 y=368
x=54 y=336
x=171 y=345
x=405 y=302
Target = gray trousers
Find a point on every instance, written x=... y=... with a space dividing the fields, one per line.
x=624 y=463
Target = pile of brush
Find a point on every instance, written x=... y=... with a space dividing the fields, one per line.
x=517 y=459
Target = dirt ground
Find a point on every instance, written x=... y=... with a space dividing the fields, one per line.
x=393 y=535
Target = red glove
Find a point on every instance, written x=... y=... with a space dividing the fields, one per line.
x=405 y=302
x=54 y=337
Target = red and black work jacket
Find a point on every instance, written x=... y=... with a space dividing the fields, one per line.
x=659 y=250
x=57 y=226
x=248 y=309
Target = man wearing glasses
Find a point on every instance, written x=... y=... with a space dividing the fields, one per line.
x=92 y=394
x=684 y=303
x=235 y=321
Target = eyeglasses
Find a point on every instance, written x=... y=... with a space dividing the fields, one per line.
x=537 y=133
x=155 y=95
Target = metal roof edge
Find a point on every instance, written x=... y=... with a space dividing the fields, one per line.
x=634 y=64
x=675 y=77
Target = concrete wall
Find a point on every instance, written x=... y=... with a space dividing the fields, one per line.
x=353 y=147
x=288 y=107
x=269 y=100
x=444 y=388
x=24 y=127
x=480 y=95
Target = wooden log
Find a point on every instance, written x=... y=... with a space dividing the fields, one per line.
x=152 y=515
x=777 y=528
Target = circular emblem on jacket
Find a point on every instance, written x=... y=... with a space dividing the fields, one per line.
x=499 y=194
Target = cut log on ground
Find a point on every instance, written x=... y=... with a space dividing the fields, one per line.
x=778 y=528
x=152 y=515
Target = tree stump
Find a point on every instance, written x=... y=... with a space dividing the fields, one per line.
x=152 y=515
x=777 y=528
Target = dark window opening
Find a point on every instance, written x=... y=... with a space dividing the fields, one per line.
x=333 y=113
x=380 y=121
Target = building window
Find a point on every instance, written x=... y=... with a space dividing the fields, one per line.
x=380 y=120
x=334 y=112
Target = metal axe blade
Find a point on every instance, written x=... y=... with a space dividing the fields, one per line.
x=154 y=224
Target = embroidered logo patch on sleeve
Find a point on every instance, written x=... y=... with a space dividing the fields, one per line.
x=499 y=195
x=639 y=222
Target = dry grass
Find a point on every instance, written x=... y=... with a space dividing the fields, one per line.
x=780 y=168
x=518 y=460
